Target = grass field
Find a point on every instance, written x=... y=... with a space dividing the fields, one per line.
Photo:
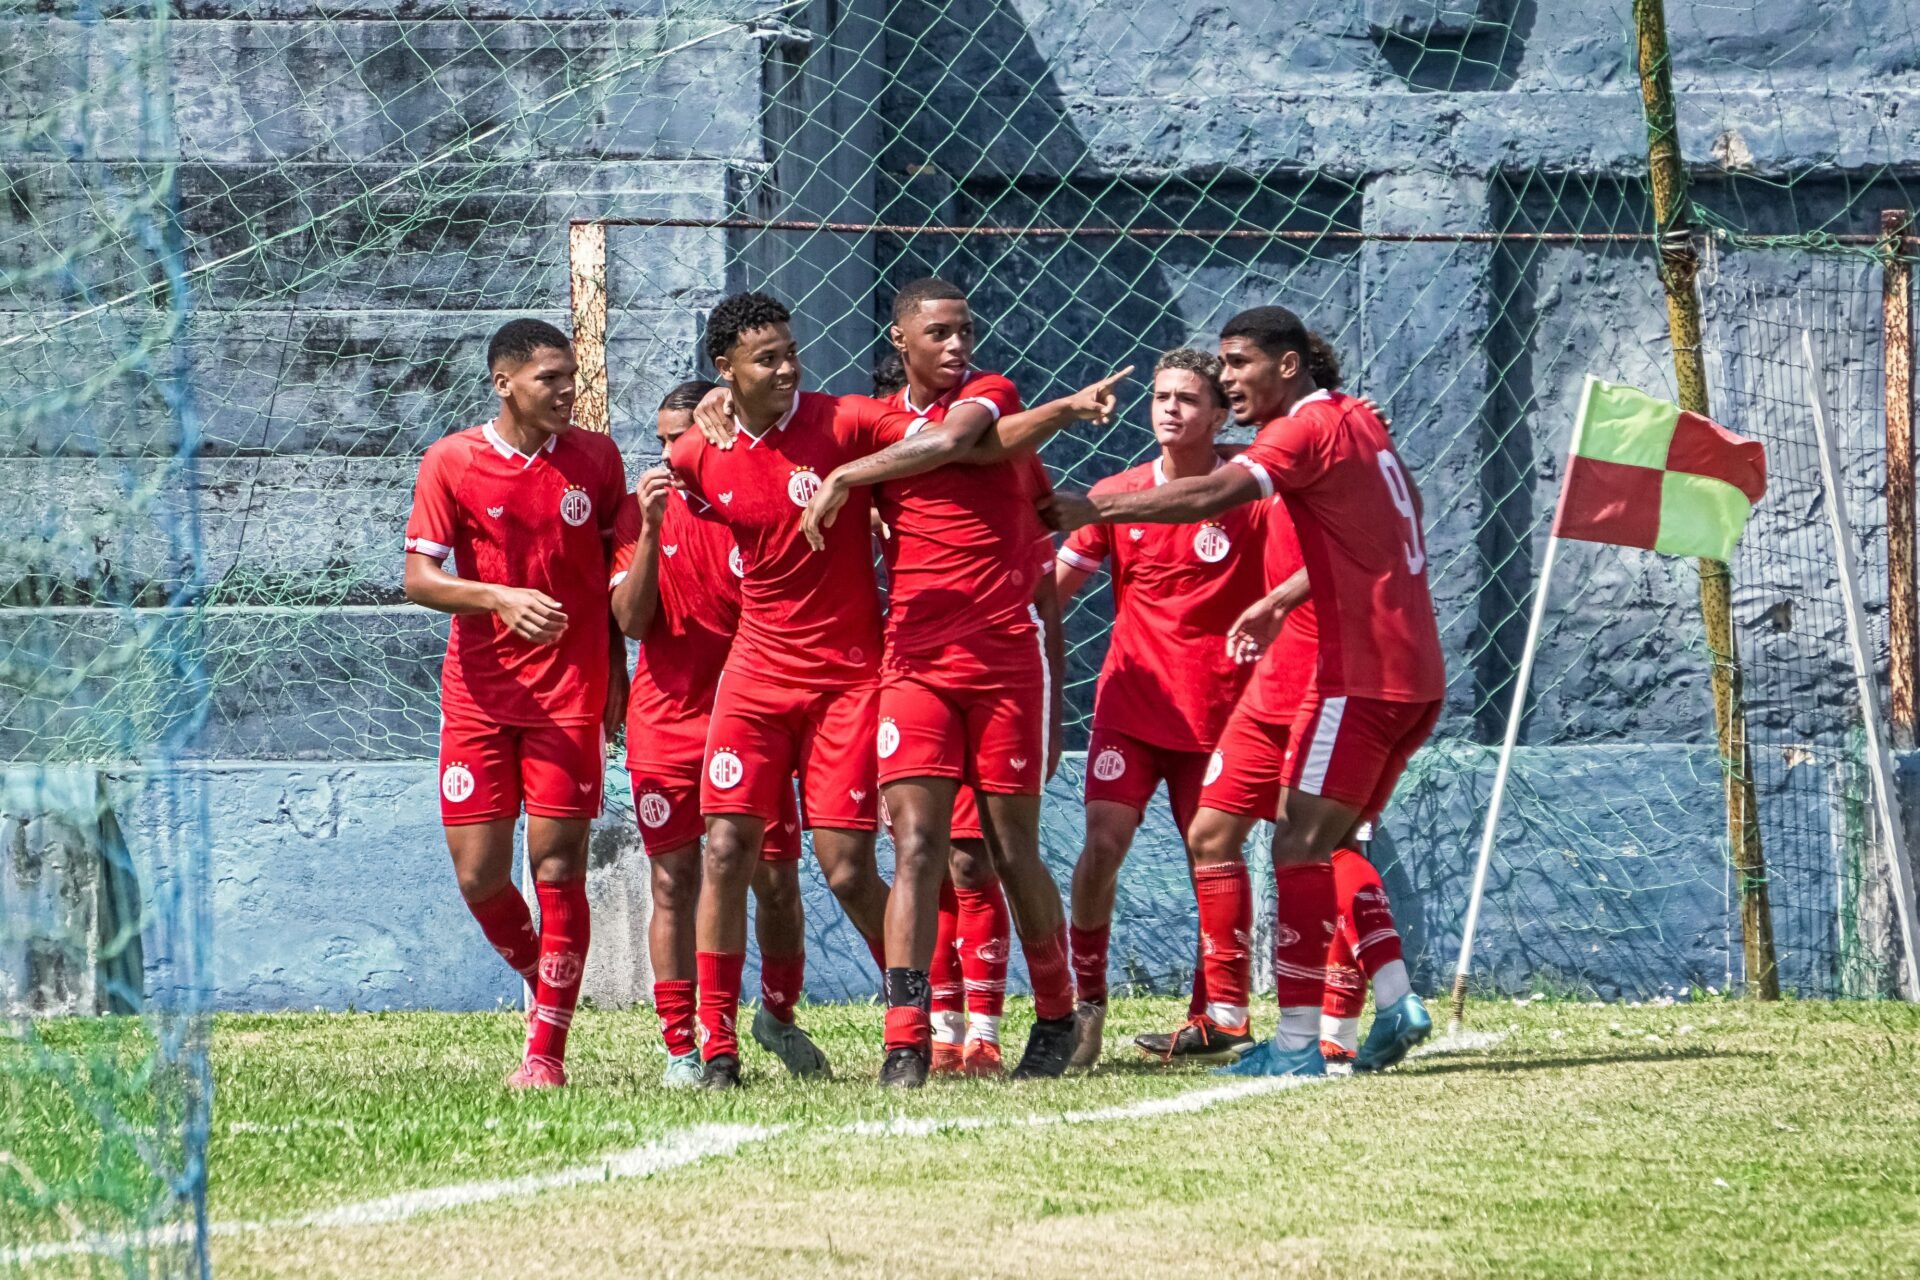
x=1714 y=1138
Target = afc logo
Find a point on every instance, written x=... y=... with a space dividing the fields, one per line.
x=1211 y=543
x=456 y=783
x=802 y=485
x=725 y=770
x=735 y=563
x=576 y=508
x=561 y=969
x=1109 y=764
x=655 y=809
x=1215 y=767
x=889 y=737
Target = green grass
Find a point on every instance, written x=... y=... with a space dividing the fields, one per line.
x=1716 y=1138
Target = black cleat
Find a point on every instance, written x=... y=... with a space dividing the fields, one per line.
x=1049 y=1045
x=904 y=1069
x=1201 y=1040
x=721 y=1071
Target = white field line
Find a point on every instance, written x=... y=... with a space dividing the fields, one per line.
x=691 y=1146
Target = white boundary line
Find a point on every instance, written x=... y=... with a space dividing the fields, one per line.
x=685 y=1147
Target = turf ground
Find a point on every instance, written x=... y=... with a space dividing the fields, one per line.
x=1714 y=1138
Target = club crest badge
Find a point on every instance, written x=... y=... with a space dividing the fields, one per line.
x=576 y=508
x=456 y=783
x=1109 y=764
x=1211 y=543
x=725 y=771
x=802 y=485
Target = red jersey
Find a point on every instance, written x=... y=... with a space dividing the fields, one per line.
x=686 y=643
x=1285 y=671
x=961 y=557
x=1358 y=518
x=806 y=617
x=1167 y=679
x=542 y=522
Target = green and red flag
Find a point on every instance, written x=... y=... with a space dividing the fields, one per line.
x=1645 y=473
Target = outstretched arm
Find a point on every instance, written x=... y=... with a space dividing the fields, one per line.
x=1031 y=428
x=531 y=615
x=1175 y=502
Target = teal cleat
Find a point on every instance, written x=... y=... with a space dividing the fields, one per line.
x=794 y=1047
x=683 y=1071
x=1395 y=1031
x=1268 y=1059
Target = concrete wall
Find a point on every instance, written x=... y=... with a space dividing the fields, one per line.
x=381 y=189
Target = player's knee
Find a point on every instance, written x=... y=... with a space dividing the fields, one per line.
x=776 y=891
x=1211 y=841
x=1105 y=850
x=917 y=853
x=849 y=880
x=728 y=856
x=675 y=887
x=971 y=865
x=1294 y=844
x=477 y=884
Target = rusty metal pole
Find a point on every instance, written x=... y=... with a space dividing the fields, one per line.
x=587 y=266
x=1679 y=269
x=1903 y=608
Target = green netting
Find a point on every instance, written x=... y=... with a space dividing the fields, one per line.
x=251 y=251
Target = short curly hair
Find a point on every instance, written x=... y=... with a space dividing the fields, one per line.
x=1204 y=364
x=742 y=313
x=515 y=341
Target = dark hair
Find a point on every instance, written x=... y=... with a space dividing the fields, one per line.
x=1272 y=329
x=741 y=313
x=1323 y=366
x=687 y=396
x=517 y=340
x=889 y=375
x=1203 y=365
x=925 y=289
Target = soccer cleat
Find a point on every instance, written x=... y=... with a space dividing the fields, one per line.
x=721 y=1071
x=1395 y=1031
x=538 y=1072
x=1268 y=1059
x=1089 y=1025
x=904 y=1069
x=793 y=1046
x=1049 y=1044
x=1336 y=1053
x=982 y=1060
x=1201 y=1040
x=683 y=1071
x=948 y=1059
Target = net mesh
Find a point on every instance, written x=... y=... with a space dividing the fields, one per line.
x=251 y=252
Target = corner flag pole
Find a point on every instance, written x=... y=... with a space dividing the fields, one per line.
x=1879 y=763
x=1515 y=715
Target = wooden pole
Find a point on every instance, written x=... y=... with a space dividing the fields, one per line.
x=587 y=265
x=1679 y=270
x=1903 y=608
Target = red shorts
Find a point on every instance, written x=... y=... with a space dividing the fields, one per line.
x=666 y=805
x=1244 y=773
x=974 y=710
x=763 y=733
x=966 y=815
x=1122 y=769
x=1353 y=750
x=488 y=771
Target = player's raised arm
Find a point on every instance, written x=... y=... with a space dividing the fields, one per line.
x=1175 y=502
x=1031 y=428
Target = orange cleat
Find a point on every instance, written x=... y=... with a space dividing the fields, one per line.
x=948 y=1060
x=983 y=1060
x=1336 y=1053
x=539 y=1073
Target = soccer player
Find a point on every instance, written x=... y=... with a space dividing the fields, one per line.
x=1378 y=673
x=968 y=693
x=1168 y=682
x=532 y=683
x=676 y=590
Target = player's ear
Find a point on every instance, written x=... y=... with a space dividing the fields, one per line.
x=502 y=380
x=898 y=337
x=723 y=367
x=1289 y=364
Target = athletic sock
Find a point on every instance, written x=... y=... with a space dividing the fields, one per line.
x=1346 y=989
x=1226 y=938
x=673 y=1001
x=985 y=941
x=909 y=997
x=1344 y=1032
x=565 y=931
x=1391 y=984
x=781 y=978
x=1197 y=1002
x=1089 y=948
x=1368 y=918
x=508 y=925
x=719 y=977
x=944 y=974
x=949 y=1026
x=1304 y=921
x=1050 y=974
x=983 y=1027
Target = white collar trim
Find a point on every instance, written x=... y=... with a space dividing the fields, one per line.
x=1160 y=468
x=1321 y=394
x=505 y=450
x=781 y=425
x=906 y=393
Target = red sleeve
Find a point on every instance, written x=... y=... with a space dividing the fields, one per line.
x=688 y=452
x=866 y=425
x=430 y=526
x=1290 y=453
x=1034 y=473
x=1087 y=546
x=992 y=392
x=626 y=536
x=614 y=490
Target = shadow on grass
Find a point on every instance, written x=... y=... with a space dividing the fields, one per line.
x=1437 y=1065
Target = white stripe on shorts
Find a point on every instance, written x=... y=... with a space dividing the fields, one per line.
x=1326 y=728
x=1046 y=692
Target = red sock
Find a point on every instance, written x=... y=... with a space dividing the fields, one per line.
x=986 y=940
x=564 y=934
x=673 y=1001
x=1090 y=947
x=781 y=978
x=1197 y=1002
x=508 y=924
x=1226 y=937
x=1364 y=912
x=719 y=974
x=945 y=975
x=1346 y=990
x=1051 y=976
x=1304 y=912
x=908 y=1024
